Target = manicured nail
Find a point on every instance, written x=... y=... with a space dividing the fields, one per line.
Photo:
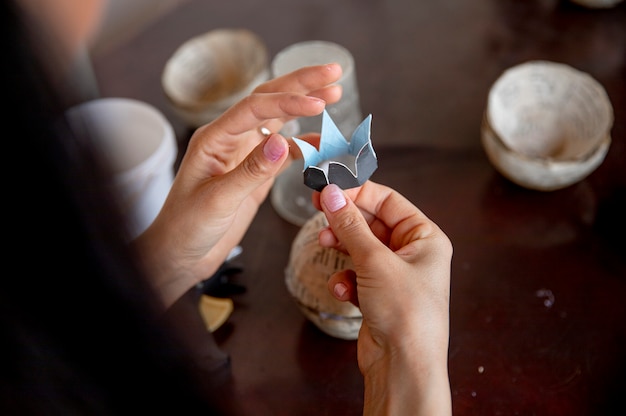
x=316 y=100
x=274 y=148
x=333 y=198
x=340 y=289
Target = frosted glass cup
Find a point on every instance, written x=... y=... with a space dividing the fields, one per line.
x=290 y=197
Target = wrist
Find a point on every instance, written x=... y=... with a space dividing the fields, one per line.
x=162 y=273
x=408 y=381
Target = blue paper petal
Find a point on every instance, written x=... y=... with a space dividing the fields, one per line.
x=334 y=146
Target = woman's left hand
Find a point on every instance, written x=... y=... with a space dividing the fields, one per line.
x=226 y=173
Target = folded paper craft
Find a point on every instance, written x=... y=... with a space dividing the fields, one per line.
x=329 y=164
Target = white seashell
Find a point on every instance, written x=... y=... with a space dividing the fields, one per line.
x=547 y=125
x=306 y=277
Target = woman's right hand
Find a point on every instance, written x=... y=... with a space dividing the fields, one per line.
x=401 y=282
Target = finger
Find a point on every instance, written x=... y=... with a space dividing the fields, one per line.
x=342 y=286
x=261 y=165
x=348 y=224
x=327 y=238
x=352 y=193
x=392 y=217
x=294 y=150
x=295 y=155
x=384 y=203
x=255 y=109
x=329 y=94
x=303 y=80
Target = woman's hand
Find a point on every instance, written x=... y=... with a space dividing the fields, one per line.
x=401 y=282
x=226 y=173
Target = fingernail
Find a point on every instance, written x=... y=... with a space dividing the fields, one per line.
x=332 y=65
x=333 y=198
x=274 y=148
x=316 y=100
x=340 y=289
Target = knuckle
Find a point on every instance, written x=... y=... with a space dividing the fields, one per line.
x=253 y=168
x=252 y=103
x=348 y=223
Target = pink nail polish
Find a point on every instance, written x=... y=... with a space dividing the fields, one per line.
x=274 y=148
x=340 y=289
x=333 y=198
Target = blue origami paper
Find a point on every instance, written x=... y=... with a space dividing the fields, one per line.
x=328 y=164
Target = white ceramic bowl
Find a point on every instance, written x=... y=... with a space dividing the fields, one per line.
x=547 y=125
x=138 y=143
x=209 y=73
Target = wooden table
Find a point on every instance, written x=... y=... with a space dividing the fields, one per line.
x=538 y=305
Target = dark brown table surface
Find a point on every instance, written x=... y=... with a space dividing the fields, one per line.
x=538 y=305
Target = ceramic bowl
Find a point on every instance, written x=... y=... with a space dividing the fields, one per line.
x=306 y=276
x=547 y=125
x=209 y=73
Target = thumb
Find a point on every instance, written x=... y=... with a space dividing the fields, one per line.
x=348 y=224
x=262 y=164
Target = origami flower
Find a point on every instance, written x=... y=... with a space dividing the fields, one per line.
x=329 y=164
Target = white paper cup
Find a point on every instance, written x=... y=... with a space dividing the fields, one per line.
x=139 y=144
